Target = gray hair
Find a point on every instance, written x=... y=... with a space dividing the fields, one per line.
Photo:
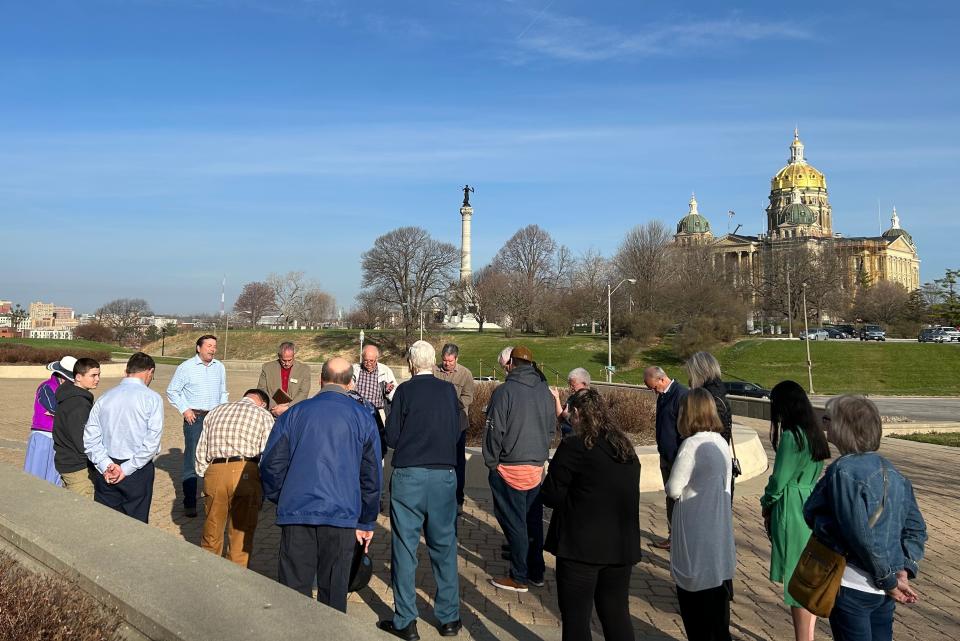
x=504 y=357
x=450 y=349
x=579 y=374
x=421 y=356
x=286 y=346
x=855 y=424
x=702 y=367
x=654 y=372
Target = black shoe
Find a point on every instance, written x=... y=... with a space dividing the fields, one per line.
x=190 y=512
x=450 y=629
x=408 y=633
x=505 y=555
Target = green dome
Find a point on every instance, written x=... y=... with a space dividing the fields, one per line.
x=797 y=214
x=693 y=224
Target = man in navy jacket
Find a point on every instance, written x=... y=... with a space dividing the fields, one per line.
x=669 y=395
x=321 y=466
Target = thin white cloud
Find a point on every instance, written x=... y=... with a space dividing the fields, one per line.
x=554 y=35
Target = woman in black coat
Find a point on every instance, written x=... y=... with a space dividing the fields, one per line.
x=593 y=486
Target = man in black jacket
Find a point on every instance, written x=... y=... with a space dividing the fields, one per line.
x=521 y=421
x=423 y=428
x=74 y=402
x=669 y=395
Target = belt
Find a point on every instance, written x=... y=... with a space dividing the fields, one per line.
x=234 y=459
x=200 y=412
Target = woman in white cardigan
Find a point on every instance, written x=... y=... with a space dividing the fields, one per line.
x=703 y=555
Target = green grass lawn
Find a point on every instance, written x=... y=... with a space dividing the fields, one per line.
x=839 y=366
x=923 y=369
x=937 y=438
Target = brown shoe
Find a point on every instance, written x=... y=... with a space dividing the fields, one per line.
x=661 y=545
x=507 y=583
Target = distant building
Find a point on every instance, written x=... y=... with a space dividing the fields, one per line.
x=6 y=306
x=55 y=333
x=51 y=315
x=799 y=214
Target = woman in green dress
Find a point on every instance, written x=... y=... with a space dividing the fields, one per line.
x=801 y=448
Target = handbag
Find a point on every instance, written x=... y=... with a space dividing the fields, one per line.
x=737 y=470
x=816 y=580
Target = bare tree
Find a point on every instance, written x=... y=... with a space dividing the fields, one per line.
x=644 y=255
x=479 y=298
x=882 y=303
x=592 y=274
x=123 y=315
x=288 y=291
x=535 y=265
x=318 y=306
x=369 y=311
x=409 y=270
x=257 y=298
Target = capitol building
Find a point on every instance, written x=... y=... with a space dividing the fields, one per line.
x=799 y=214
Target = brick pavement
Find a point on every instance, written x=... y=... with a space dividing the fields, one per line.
x=758 y=612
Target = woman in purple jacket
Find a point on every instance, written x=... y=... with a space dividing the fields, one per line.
x=39 y=458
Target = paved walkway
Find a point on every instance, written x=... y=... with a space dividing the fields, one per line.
x=758 y=611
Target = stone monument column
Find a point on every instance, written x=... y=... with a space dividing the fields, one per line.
x=466 y=213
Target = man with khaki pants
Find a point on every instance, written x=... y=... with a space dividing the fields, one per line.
x=228 y=455
x=74 y=402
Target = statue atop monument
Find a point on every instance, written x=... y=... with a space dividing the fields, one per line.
x=467 y=190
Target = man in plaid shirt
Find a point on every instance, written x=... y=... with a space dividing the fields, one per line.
x=234 y=435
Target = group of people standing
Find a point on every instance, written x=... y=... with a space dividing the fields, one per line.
x=320 y=459
x=862 y=508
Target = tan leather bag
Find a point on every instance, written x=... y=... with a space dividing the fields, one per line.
x=816 y=580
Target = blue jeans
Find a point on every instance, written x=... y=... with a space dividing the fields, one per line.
x=861 y=616
x=191 y=436
x=424 y=499
x=520 y=515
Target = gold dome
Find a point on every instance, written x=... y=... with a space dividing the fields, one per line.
x=798 y=173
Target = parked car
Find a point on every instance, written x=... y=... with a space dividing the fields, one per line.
x=872 y=333
x=743 y=388
x=849 y=330
x=833 y=332
x=815 y=334
x=932 y=335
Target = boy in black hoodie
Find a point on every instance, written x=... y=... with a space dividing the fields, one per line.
x=74 y=402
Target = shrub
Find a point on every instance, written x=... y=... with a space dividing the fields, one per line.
x=94 y=332
x=27 y=354
x=624 y=350
x=632 y=410
x=34 y=607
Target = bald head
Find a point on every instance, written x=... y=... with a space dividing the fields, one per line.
x=338 y=371
x=371 y=353
x=656 y=379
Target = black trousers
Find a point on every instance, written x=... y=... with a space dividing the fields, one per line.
x=581 y=586
x=665 y=469
x=461 y=466
x=706 y=613
x=317 y=552
x=131 y=496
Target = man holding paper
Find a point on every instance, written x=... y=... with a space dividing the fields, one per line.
x=285 y=380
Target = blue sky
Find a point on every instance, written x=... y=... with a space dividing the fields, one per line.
x=148 y=147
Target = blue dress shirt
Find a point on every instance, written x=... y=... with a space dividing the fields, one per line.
x=198 y=386
x=125 y=423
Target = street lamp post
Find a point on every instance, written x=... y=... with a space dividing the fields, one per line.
x=789 y=305
x=610 y=326
x=806 y=332
x=163 y=340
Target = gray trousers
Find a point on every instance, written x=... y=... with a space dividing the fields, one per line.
x=317 y=552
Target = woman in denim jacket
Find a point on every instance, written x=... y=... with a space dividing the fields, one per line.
x=865 y=509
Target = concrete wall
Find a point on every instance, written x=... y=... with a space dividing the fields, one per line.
x=164 y=588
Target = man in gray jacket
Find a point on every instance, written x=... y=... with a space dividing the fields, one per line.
x=521 y=420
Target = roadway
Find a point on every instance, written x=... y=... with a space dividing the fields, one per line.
x=916 y=408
